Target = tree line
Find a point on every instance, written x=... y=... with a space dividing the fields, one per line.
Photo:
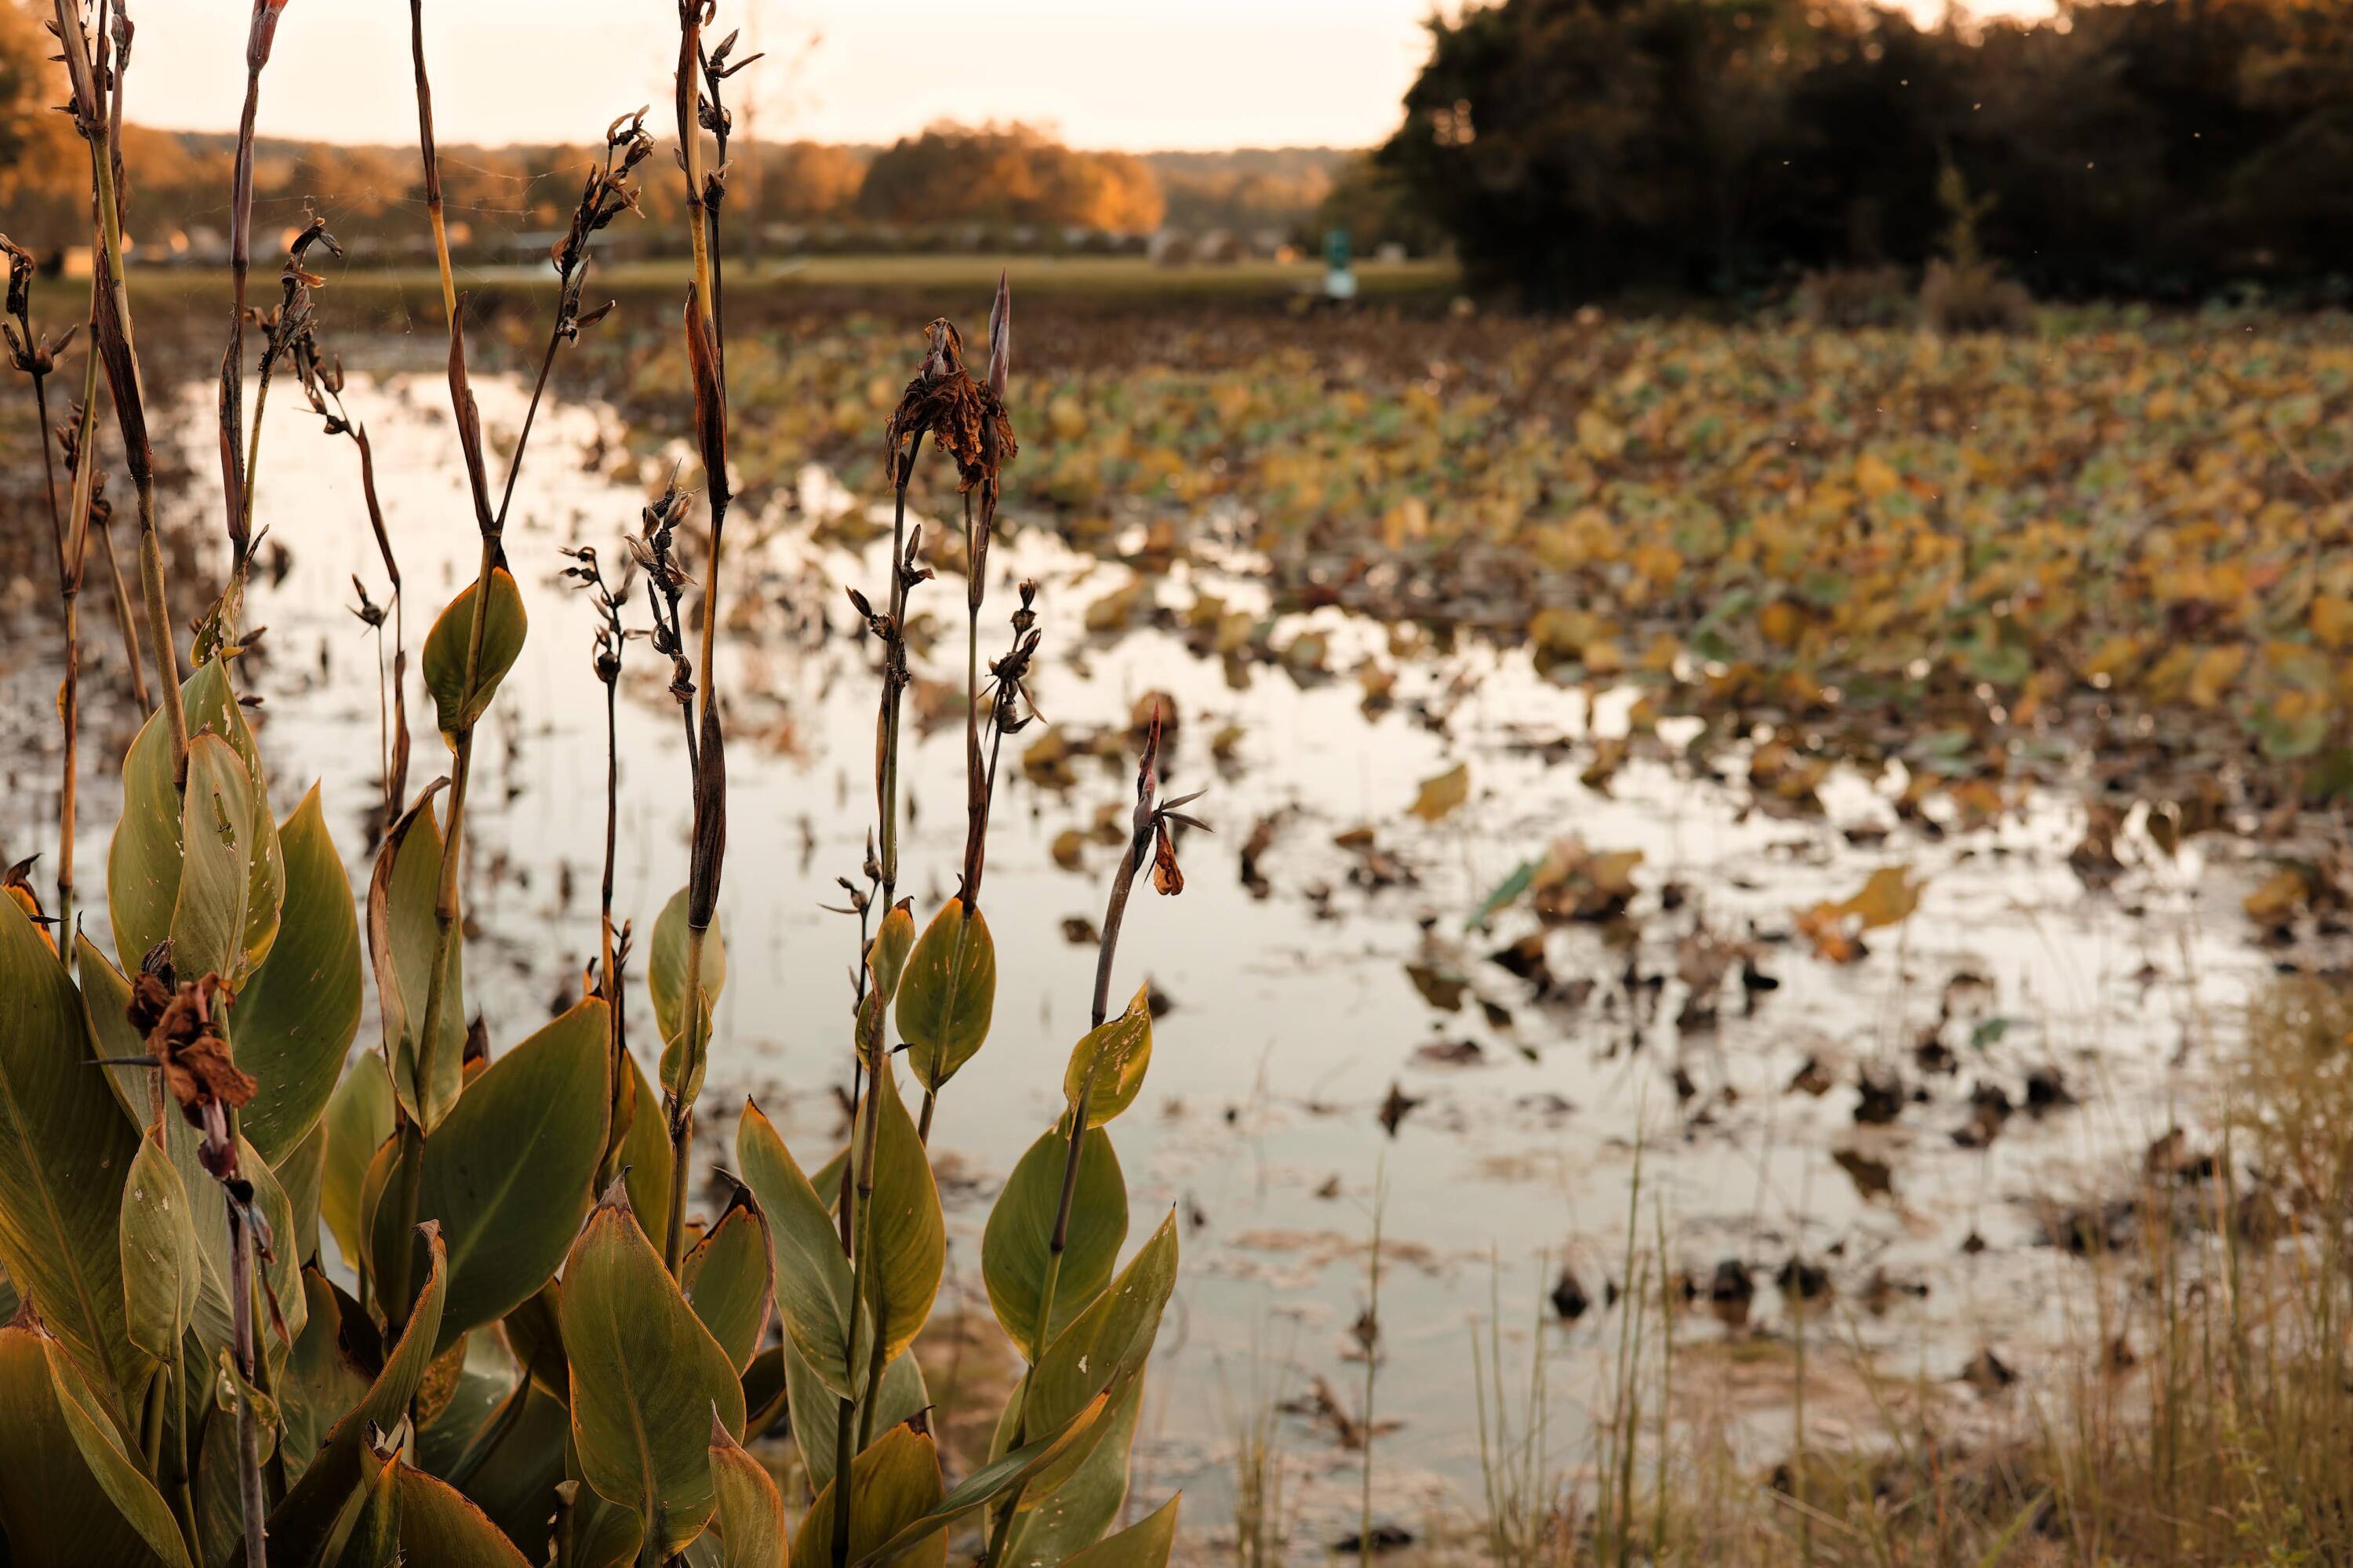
x=2162 y=149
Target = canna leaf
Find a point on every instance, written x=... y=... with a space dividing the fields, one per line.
x=892 y=1483
x=368 y=1536
x=816 y=1408
x=160 y=1270
x=70 y=1495
x=666 y=966
x=1143 y=1544
x=64 y=1151
x=812 y=1275
x=751 y=1512
x=1109 y=1341
x=456 y=703
x=515 y=1483
x=534 y=1333
x=297 y=1016
x=105 y=1003
x=1107 y=1066
x=303 y=1171
x=725 y=1277
x=208 y=1209
x=1079 y=1497
x=645 y=1153
x=886 y=956
x=323 y=1377
x=402 y=934
x=903 y=1227
x=1017 y=1246
x=359 y=1120
x=946 y=994
x=646 y=1375
x=301 y=1526
x=143 y=860
x=217 y=840
x=511 y=1172
x=440 y=1526
x=981 y=1487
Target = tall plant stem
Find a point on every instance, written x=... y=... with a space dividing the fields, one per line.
x=869 y=1121
x=615 y=1041
x=433 y=205
x=251 y=1497
x=122 y=619
x=1122 y=882
x=115 y=344
x=68 y=695
x=1373 y=1358
x=395 y=760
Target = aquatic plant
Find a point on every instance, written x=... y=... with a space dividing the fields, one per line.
x=274 y=1302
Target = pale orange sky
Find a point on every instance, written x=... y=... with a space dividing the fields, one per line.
x=1133 y=74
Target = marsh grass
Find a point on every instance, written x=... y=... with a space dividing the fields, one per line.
x=2201 y=1412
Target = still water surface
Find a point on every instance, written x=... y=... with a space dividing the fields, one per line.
x=1295 y=1006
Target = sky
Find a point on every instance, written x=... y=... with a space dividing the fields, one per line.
x=1137 y=75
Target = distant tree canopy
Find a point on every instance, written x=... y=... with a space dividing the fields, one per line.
x=1008 y=175
x=2165 y=148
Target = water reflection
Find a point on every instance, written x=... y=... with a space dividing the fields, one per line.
x=1828 y=1128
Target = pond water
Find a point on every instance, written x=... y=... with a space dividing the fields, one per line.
x=1299 y=1002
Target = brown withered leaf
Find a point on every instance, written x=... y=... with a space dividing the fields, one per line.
x=1166 y=877
x=184 y=1033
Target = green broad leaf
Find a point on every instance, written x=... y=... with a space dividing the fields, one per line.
x=217 y=841
x=765 y=1392
x=511 y=1172
x=1107 y=1066
x=65 y=1149
x=1110 y=1340
x=903 y=1227
x=70 y=1495
x=457 y=704
x=946 y=993
x=666 y=965
x=359 y=1120
x=208 y=1207
x=646 y=1376
x=1076 y=1497
x=303 y=1171
x=368 y=1535
x=1143 y=1544
x=105 y=1003
x=684 y=1062
x=297 y=1016
x=440 y=1526
x=300 y=1525
x=816 y=1408
x=160 y=1270
x=645 y=1153
x=534 y=1332
x=143 y=862
x=1504 y=895
x=749 y=1519
x=983 y=1486
x=602 y=1534
x=322 y=1378
x=515 y=1482
x=1017 y=1246
x=725 y=1278
x=403 y=935
x=886 y=956
x=814 y=1293
x=893 y=1483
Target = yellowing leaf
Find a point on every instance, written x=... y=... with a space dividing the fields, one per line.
x=1443 y=794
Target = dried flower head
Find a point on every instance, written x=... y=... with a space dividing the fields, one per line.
x=182 y=1026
